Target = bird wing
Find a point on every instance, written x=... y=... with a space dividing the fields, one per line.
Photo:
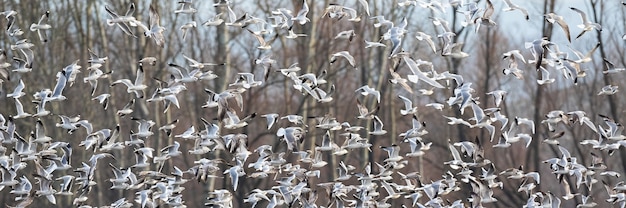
x=154 y=17
x=583 y=16
x=140 y=76
x=58 y=89
x=417 y=72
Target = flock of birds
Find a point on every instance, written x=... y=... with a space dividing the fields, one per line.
x=57 y=174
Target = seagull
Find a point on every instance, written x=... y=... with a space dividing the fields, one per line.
x=144 y=127
x=397 y=79
x=168 y=152
x=393 y=153
x=395 y=34
x=586 y=201
x=327 y=122
x=197 y=64
x=235 y=172
x=366 y=90
x=454 y=50
x=26 y=150
x=41 y=109
x=141 y=157
x=418 y=74
x=482 y=120
x=512 y=67
x=40 y=133
x=292 y=136
x=586 y=25
x=138 y=87
x=94 y=74
x=437 y=106
x=10 y=16
x=155 y=31
x=16 y=32
x=185 y=7
x=256 y=196
x=234 y=122
x=447 y=34
x=350 y=128
x=456 y=161
x=293 y=35
x=263 y=45
x=167 y=128
x=66 y=185
x=511 y=6
x=552 y=18
x=369 y=44
x=24 y=45
x=111 y=140
x=17 y=92
x=425 y=37
x=586 y=57
x=123 y=22
x=343 y=172
x=608 y=90
x=610 y=68
x=581 y=118
x=301 y=16
x=553 y=139
x=23 y=188
x=378 y=127
x=128 y=108
x=186 y=27
x=220 y=100
x=68 y=124
x=22 y=65
x=234 y=21
x=344 y=54
x=408 y=106
x=348 y=34
x=453 y=121
x=182 y=74
x=267 y=63
x=366 y=6
x=45 y=189
x=538 y=48
x=167 y=99
x=71 y=71
x=103 y=99
x=381 y=21
x=214 y=21
x=41 y=26
x=486 y=17
x=545 y=77
x=58 y=88
x=20 y=110
x=427 y=91
x=319 y=94
x=350 y=12
x=568 y=192
x=496 y=115
x=95 y=59
x=554 y=117
x=271 y=119
x=327 y=144
x=462 y=96
x=498 y=96
x=418 y=147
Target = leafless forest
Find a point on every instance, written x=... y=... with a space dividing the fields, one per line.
x=292 y=103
